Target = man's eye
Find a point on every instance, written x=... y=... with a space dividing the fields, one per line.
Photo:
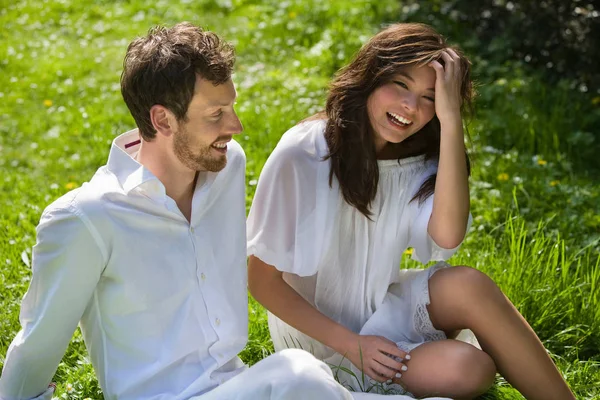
x=431 y=99
x=218 y=114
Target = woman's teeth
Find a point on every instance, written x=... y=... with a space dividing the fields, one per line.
x=398 y=119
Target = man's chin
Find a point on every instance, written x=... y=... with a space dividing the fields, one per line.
x=214 y=165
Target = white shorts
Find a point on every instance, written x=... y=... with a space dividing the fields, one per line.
x=402 y=318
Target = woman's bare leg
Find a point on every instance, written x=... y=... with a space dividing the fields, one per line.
x=448 y=368
x=462 y=297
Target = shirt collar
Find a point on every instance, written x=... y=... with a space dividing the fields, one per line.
x=121 y=162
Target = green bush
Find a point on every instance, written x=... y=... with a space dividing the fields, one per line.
x=546 y=51
x=560 y=38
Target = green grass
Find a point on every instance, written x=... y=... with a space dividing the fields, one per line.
x=536 y=207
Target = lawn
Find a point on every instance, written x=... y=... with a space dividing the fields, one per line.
x=534 y=189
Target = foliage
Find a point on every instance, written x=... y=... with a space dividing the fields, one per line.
x=558 y=121
x=523 y=50
x=559 y=37
x=60 y=106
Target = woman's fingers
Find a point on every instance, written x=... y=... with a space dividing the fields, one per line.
x=448 y=63
x=451 y=68
x=457 y=64
x=391 y=363
x=376 y=376
x=439 y=70
x=381 y=359
x=453 y=53
x=389 y=347
x=383 y=373
x=397 y=379
x=373 y=374
x=389 y=355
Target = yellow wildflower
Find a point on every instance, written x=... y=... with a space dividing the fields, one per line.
x=503 y=177
x=70 y=185
x=292 y=14
x=542 y=162
x=48 y=103
x=596 y=100
x=408 y=251
x=554 y=183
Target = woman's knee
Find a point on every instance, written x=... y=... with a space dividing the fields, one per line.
x=475 y=372
x=454 y=291
x=450 y=368
x=463 y=277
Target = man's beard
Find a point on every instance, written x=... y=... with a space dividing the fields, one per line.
x=203 y=160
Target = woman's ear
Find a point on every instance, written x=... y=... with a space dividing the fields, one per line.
x=163 y=120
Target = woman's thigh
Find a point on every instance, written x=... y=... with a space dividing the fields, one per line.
x=449 y=368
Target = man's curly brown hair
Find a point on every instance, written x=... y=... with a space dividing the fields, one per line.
x=161 y=68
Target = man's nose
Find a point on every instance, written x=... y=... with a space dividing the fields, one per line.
x=235 y=126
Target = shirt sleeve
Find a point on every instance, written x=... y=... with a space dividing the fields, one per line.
x=280 y=220
x=67 y=263
x=425 y=249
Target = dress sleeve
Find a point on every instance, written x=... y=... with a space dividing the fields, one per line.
x=67 y=263
x=425 y=249
x=281 y=216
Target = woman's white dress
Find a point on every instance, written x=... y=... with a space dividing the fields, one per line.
x=343 y=263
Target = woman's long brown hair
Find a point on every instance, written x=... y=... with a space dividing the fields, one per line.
x=349 y=134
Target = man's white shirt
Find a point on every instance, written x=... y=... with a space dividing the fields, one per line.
x=162 y=302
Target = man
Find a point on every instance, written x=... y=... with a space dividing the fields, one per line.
x=149 y=256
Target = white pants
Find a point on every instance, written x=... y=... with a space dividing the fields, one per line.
x=290 y=374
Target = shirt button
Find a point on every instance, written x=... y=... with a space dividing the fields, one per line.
x=217 y=322
x=192 y=229
x=203 y=276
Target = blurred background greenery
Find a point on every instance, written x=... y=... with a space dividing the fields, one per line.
x=535 y=136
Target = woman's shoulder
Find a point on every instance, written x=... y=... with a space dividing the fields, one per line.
x=304 y=141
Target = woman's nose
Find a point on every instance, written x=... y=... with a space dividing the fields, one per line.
x=410 y=103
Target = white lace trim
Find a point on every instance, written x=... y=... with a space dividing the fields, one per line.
x=423 y=324
x=422 y=321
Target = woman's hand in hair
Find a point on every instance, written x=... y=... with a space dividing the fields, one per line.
x=448 y=82
x=374 y=356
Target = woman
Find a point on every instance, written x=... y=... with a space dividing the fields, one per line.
x=342 y=197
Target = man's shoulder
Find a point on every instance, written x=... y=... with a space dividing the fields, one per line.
x=86 y=201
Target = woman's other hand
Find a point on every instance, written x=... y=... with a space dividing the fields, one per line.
x=448 y=82
x=374 y=355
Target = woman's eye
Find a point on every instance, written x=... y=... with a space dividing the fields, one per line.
x=431 y=99
x=401 y=84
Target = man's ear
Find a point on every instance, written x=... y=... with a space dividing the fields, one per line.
x=163 y=120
